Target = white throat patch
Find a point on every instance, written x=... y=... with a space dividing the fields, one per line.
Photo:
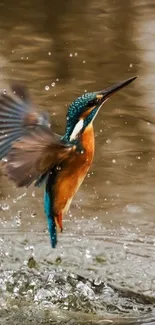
x=78 y=127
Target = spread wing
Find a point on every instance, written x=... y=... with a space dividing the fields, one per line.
x=17 y=116
x=27 y=143
x=33 y=155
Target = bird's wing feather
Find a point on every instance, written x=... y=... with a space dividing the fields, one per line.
x=34 y=154
x=17 y=115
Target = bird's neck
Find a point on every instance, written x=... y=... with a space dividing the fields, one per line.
x=89 y=130
x=87 y=138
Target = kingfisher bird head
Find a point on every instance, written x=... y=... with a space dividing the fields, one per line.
x=84 y=109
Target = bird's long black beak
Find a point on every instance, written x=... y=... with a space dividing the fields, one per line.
x=108 y=92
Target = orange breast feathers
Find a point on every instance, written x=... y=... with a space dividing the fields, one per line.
x=73 y=173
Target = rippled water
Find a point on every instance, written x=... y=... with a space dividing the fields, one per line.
x=103 y=268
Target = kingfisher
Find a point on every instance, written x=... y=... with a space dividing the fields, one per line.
x=32 y=153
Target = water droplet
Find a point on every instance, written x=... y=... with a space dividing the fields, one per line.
x=83 y=61
x=53 y=84
x=76 y=54
x=57 y=79
x=18 y=219
x=114 y=161
x=4 y=159
x=71 y=54
x=49 y=53
x=47 y=87
x=125 y=246
x=88 y=255
x=33 y=214
x=4 y=207
x=97 y=281
x=108 y=141
x=19 y=197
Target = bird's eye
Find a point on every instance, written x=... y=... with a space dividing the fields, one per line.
x=93 y=102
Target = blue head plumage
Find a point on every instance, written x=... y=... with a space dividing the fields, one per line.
x=90 y=104
x=77 y=108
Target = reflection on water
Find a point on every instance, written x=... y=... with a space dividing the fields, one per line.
x=61 y=49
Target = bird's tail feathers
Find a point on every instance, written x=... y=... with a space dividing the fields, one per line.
x=50 y=219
